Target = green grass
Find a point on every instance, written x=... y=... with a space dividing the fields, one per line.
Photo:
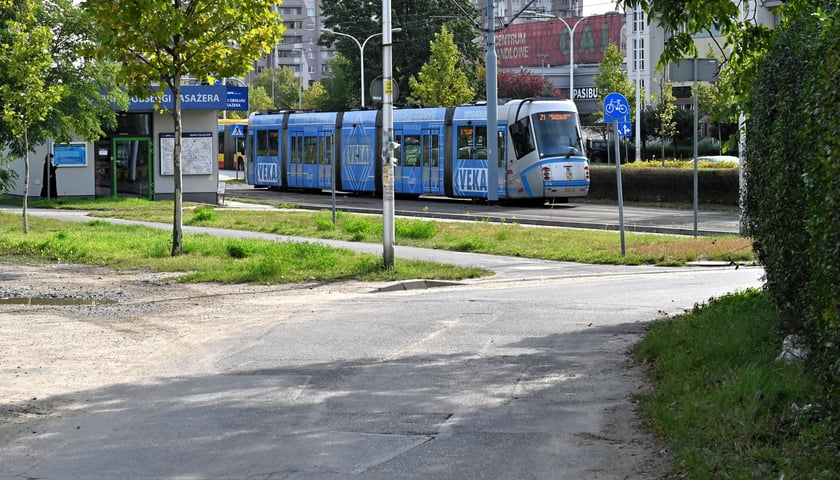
x=205 y=258
x=585 y=246
x=722 y=402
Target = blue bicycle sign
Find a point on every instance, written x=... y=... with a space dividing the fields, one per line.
x=616 y=107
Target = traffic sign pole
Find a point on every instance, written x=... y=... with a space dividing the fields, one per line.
x=619 y=190
x=617 y=111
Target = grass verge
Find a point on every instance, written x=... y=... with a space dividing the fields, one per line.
x=724 y=405
x=564 y=244
x=206 y=258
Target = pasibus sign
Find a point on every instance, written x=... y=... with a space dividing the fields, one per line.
x=525 y=45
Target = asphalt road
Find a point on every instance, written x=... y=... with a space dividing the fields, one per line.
x=573 y=214
x=523 y=375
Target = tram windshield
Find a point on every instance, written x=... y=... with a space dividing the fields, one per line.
x=557 y=134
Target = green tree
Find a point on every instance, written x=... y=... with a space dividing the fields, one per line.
x=611 y=78
x=663 y=113
x=160 y=42
x=258 y=99
x=315 y=96
x=717 y=100
x=282 y=86
x=420 y=20
x=27 y=98
x=47 y=74
x=441 y=83
x=338 y=85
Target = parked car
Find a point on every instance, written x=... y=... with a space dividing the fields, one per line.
x=597 y=151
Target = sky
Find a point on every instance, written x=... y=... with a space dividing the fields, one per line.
x=592 y=7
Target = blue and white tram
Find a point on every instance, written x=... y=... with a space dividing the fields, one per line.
x=443 y=151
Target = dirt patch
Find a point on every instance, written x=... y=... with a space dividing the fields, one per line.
x=98 y=327
x=142 y=326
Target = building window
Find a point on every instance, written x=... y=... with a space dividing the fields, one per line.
x=638 y=21
x=639 y=54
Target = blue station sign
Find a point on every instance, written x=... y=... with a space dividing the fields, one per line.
x=195 y=97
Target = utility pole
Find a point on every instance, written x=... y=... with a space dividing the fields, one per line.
x=388 y=144
x=492 y=110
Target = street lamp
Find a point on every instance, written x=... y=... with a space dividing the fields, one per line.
x=572 y=52
x=361 y=46
x=302 y=51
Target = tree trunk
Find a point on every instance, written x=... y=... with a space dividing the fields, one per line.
x=25 y=182
x=177 y=223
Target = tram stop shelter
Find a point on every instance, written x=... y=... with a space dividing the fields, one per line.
x=137 y=159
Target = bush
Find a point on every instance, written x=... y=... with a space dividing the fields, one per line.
x=238 y=249
x=358 y=228
x=202 y=213
x=416 y=229
x=666 y=185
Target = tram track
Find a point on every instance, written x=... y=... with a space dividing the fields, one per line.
x=576 y=214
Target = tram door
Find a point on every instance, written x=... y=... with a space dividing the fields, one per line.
x=408 y=167
x=326 y=148
x=502 y=165
x=295 y=158
x=430 y=147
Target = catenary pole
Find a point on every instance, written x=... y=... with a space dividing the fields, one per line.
x=388 y=143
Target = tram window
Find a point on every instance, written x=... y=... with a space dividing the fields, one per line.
x=465 y=140
x=297 y=147
x=222 y=143
x=310 y=150
x=557 y=134
x=326 y=150
x=501 y=149
x=430 y=150
x=411 y=150
x=520 y=133
x=267 y=143
x=472 y=142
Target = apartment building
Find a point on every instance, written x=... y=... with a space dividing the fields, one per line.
x=645 y=42
x=298 y=49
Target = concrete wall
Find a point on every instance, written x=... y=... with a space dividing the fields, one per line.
x=70 y=181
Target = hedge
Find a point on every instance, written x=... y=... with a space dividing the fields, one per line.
x=666 y=185
x=792 y=196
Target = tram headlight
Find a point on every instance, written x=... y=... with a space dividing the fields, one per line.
x=546 y=174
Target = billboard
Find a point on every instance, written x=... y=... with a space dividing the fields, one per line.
x=544 y=43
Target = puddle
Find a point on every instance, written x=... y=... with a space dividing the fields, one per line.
x=54 y=301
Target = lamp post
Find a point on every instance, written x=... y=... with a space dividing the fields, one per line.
x=361 y=46
x=302 y=51
x=572 y=52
